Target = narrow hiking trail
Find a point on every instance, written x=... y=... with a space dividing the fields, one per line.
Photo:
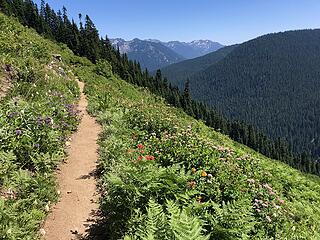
x=78 y=205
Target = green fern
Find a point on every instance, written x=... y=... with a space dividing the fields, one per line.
x=230 y=220
x=184 y=227
x=155 y=223
x=149 y=229
x=170 y=224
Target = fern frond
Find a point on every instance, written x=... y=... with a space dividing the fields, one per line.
x=154 y=225
x=184 y=227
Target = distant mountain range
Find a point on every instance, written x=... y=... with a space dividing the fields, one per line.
x=271 y=82
x=154 y=54
x=193 y=49
x=150 y=55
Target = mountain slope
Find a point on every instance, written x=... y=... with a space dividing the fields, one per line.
x=193 y=49
x=170 y=171
x=150 y=55
x=271 y=82
x=179 y=72
x=36 y=118
x=164 y=175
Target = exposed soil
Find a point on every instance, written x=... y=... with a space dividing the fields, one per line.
x=7 y=74
x=77 y=209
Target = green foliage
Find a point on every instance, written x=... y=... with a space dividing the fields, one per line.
x=168 y=223
x=264 y=83
x=177 y=73
x=36 y=118
x=161 y=169
x=103 y=68
x=184 y=226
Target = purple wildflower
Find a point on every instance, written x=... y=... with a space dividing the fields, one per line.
x=39 y=121
x=251 y=181
x=49 y=121
x=18 y=132
x=12 y=114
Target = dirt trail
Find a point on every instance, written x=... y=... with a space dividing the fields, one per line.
x=77 y=208
x=7 y=73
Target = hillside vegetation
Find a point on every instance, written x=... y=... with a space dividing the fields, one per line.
x=36 y=118
x=271 y=82
x=84 y=40
x=164 y=175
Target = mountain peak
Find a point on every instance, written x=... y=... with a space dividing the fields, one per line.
x=153 y=40
x=151 y=54
x=195 y=48
x=154 y=54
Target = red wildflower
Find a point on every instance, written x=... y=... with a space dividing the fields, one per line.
x=150 y=158
x=140 y=158
x=140 y=146
x=142 y=151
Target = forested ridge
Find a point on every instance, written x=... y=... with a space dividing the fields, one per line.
x=179 y=72
x=84 y=40
x=271 y=82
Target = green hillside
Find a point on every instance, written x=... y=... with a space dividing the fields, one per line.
x=178 y=73
x=163 y=174
x=271 y=82
x=36 y=119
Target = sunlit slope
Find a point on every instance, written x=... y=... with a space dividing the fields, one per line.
x=36 y=118
x=168 y=176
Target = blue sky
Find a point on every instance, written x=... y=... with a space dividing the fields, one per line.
x=225 y=21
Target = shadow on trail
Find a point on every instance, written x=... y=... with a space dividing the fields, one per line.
x=97 y=231
x=96 y=228
x=96 y=225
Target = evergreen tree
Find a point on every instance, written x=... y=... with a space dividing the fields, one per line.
x=186 y=99
x=90 y=40
x=6 y=7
